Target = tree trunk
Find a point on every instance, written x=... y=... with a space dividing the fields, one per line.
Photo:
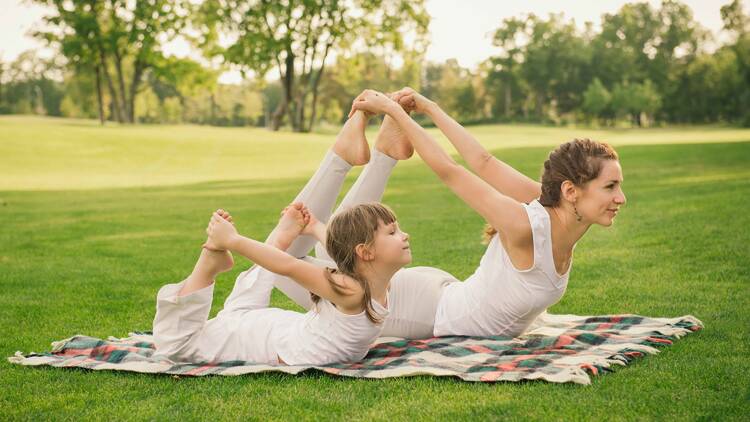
x=508 y=100
x=289 y=88
x=121 y=82
x=278 y=115
x=99 y=99
x=539 y=106
x=316 y=83
x=134 y=84
x=114 y=101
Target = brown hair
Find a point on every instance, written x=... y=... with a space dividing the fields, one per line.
x=347 y=229
x=579 y=161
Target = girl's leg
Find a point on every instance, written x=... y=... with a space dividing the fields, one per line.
x=321 y=191
x=390 y=147
x=182 y=308
x=252 y=288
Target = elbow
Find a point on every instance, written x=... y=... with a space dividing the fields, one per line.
x=449 y=172
x=482 y=161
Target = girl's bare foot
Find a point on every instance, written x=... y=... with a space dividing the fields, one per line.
x=290 y=225
x=392 y=141
x=211 y=263
x=351 y=143
x=218 y=260
x=214 y=262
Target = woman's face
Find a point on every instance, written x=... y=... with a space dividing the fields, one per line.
x=603 y=196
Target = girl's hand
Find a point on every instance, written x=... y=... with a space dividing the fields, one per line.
x=411 y=100
x=221 y=233
x=310 y=222
x=373 y=102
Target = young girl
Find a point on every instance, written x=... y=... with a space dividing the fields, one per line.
x=526 y=266
x=347 y=307
x=367 y=246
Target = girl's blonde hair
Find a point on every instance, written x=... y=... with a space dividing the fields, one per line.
x=347 y=229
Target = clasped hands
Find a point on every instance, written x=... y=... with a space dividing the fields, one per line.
x=373 y=102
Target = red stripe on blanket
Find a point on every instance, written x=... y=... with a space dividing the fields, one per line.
x=199 y=369
x=590 y=368
x=491 y=376
x=563 y=340
x=478 y=348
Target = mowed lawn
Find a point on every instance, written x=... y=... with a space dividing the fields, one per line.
x=95 y=220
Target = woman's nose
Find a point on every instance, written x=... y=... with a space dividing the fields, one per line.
x=621 y=198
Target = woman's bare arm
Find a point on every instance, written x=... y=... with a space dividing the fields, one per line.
x=502 y=212
x=498 y=174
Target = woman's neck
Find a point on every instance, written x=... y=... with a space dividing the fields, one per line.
x=566 y=231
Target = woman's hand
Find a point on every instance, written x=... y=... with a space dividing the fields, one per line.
x=371 y=101
x=411 y=100
x=221 y=233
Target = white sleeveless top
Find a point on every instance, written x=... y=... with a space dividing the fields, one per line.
x=499 y=299
x=327 y=335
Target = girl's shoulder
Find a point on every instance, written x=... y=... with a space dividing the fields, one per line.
x=349 y=291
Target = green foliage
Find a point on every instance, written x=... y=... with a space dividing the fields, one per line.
x=296 y=38
x=651 y=59
x=635 y=99
x=596 y=99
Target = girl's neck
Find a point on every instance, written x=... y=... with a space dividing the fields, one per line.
x=379 y=279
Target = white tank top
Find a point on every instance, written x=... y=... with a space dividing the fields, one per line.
x=498 y=299
x=327 y=335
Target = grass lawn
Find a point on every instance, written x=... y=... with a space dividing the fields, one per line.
x=95 y=220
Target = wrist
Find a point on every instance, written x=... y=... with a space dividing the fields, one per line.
x=431 y=108
x=394 y=109
x=234 y=242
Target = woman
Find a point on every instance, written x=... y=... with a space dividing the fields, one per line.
x=527 y=263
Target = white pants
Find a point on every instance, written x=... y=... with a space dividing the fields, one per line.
x=414 y=292
x=245 y=329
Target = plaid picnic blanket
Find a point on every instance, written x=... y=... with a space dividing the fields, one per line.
x=556 y=348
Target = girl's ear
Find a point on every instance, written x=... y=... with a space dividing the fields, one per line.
x=363 y=252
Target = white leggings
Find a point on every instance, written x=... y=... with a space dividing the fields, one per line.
x=414 y=292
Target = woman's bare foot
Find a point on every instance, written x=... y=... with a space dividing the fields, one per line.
x=290 y=225
x=351 y=143
x=392 y=141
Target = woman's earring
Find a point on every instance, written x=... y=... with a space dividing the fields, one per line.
x=578 y=216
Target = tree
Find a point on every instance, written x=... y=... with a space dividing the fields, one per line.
x=296 y=38
x=636 y=99
x=737 y=23
x=505 y=75
x=596 y=99
x=116 y=40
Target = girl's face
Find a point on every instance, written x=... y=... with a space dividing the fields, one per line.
x=603 y=196
x=391 y=245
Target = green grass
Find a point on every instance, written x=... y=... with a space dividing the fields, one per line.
x=95 y=220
